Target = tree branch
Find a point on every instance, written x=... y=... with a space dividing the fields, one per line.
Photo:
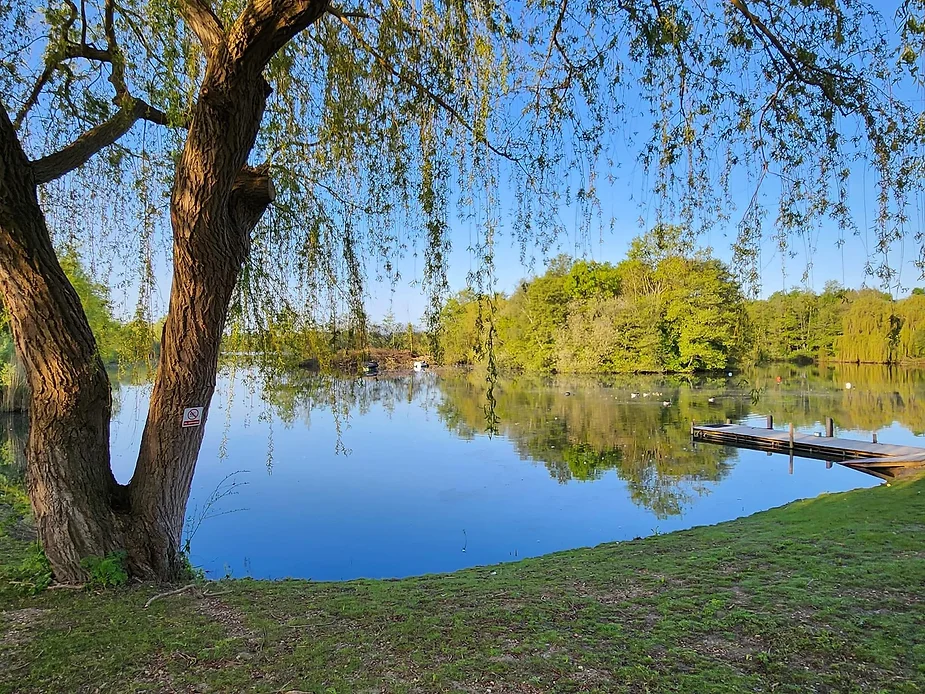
x=265 y=26
x=808 y=74
x=33 y=97
x=204 y=23
x=557 y=27
x=83 y=21
x=115 y=60
x=349 y=14
x=52 y=61
x=68 y=50
x=80 y=151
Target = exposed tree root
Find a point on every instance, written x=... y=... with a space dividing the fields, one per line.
x=190 y=587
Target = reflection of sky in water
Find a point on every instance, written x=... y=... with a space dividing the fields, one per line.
x=410 y=497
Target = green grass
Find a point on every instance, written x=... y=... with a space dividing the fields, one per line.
x=824 y=595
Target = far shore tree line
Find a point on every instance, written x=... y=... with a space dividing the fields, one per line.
x=131 y=341
x=670 y=308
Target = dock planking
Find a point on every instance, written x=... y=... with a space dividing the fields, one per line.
x=884 y=460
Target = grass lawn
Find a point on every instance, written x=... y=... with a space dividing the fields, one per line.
x=824 y=595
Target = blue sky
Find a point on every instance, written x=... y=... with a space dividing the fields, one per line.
x=809 y=262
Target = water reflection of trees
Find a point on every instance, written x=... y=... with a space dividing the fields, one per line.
x=294 y=394
x=599 y=427
x=580 y=428
x=14 y=429
x=879 y=395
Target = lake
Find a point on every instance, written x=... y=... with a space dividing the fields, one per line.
x=329 y=478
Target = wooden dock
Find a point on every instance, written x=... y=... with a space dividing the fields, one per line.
x=883 y=460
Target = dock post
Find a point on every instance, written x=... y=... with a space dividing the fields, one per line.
x=791 y=463
x=770 y=421
x=791 y=436
x=692 y=428
x=828 y=465
x=875 y=437
x=829 y=427
x=728 y=421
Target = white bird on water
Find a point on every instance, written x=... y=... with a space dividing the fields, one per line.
x=634 y=395
x=666 y=403
x=847 y=386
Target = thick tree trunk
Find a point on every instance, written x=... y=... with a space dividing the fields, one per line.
x=68 y=475
x=216 y=203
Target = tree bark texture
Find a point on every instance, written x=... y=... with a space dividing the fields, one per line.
x=68 y=476
x=217 y=201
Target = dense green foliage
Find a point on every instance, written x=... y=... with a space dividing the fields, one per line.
x=839 y=324
x=665 y=307
x=670 y=308
x=13 y=392
x=117 y=341
x=106 y=572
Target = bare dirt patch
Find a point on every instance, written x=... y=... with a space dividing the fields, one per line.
x=228 y=616
x=614 y=593
x=17 y=626
x=724 y=649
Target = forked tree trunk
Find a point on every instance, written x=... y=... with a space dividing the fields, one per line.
x=217 y=201
x=80 y=510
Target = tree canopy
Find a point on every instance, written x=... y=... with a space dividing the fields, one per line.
x=671 y=308
x=674 y=310
x=385 y=117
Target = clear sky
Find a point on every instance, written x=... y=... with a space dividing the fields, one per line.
x=808 y=262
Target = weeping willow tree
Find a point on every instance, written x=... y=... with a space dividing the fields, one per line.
x=283 y=148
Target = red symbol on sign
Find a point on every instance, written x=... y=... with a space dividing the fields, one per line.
x=192 y=417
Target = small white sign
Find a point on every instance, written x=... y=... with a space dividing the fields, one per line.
x=192 y=417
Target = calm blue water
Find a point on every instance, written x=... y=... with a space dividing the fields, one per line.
x=396 y=477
